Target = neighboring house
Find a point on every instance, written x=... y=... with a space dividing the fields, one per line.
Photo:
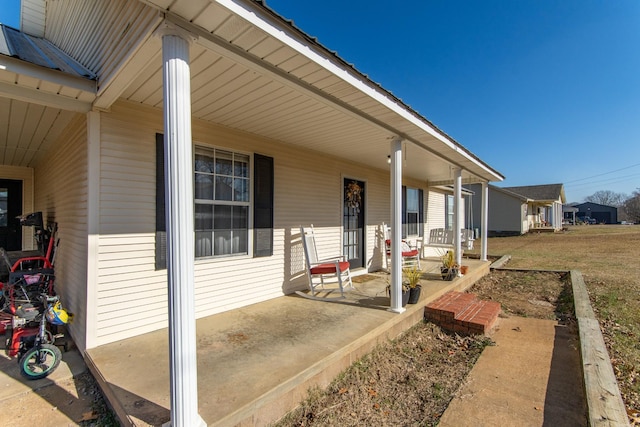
x=266 y=129
x=569 y=213
x=518 y=210
x=601 y=214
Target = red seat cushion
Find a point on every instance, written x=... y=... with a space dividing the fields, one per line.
x=330 y=267
x=411 y=253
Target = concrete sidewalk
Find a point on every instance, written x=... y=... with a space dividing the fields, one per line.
x=531 y=377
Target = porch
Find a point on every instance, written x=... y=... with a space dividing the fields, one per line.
x=256 y=363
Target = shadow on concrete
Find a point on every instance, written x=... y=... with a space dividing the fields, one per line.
x=565 y=400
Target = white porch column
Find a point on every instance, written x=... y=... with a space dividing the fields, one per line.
x=396 y=226
x=180 y=240
x=484 y=219
x=457 y=199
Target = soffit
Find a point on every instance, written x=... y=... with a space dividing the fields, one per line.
x=245 y=78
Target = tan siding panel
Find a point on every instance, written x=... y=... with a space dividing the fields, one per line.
x=61 y=194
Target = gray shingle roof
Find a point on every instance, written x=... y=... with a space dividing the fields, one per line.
x=39 y=51
x=539 y=192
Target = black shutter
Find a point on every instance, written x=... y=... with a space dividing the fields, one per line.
x=263 y=206
x=420 y=213
x=161 y=223
x=404 y=211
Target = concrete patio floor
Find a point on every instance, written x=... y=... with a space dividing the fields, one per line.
x=257 y=363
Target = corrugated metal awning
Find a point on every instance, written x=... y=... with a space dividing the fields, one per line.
x=39 y=51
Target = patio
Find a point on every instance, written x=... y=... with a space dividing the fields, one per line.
x=256 y=363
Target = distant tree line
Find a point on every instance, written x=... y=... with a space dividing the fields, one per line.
x=629 y=206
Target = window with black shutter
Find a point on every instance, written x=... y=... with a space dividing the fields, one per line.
x=161 y=223
x=222 y=203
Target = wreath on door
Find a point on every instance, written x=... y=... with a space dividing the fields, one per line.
x=353 y=195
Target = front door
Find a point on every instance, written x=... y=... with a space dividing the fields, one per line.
x=353 y=222
x=10 y=209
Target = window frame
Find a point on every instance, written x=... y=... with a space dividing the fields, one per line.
x=206 y=149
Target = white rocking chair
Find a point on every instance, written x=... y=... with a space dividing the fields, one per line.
x=410 y=256
x=323 y=271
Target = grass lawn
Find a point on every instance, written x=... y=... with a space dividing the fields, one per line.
x=609 y=258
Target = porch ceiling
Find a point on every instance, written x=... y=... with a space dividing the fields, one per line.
x=255 y=72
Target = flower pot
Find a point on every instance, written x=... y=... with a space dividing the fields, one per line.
x=464 y=269
x=448 y=273
x=405 y=297
x=414 y=294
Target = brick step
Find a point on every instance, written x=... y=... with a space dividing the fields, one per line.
x=463 y=313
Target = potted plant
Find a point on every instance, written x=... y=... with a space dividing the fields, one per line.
x=413 y=275
x=405 y=292
x=449 y=269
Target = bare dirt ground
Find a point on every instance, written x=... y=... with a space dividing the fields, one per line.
x=411 y=380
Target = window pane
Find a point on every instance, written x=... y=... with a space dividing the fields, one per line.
x=203 y=243
x=412 y=199
x=222 y=243
x=240 y=217
x=221 y=176
x=204 y=163
x=224 y=162
x=223 y=188
x=241 y=189
x=222 y=215
x=203 y=217
x=4 y=196
x=412 y=223
x=204 y=187
x=239 y=241
x=241 y=166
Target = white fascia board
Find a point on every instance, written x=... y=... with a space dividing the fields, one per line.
x=18 y=66
x=241 y=9
x=35 y=96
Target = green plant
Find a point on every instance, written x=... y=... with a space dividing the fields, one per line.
x=449 y=260
x=405 y=287
x=413 y=275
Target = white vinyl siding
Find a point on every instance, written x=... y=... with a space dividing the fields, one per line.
x=131 y=294
x=436 y=217
x=61 y=195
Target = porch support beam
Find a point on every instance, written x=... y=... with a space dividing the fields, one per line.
x=396 y=226
x=38 y=97
x=180 y=240
x=457 y=205
x=484 y=219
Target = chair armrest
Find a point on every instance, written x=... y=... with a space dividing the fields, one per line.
x=332 y=259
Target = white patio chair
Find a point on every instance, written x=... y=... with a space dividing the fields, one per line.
x=410 y=256
x=323 y=271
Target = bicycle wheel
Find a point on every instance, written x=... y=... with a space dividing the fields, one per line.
x=38 y=363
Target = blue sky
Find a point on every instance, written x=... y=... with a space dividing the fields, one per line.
x=545 y=91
